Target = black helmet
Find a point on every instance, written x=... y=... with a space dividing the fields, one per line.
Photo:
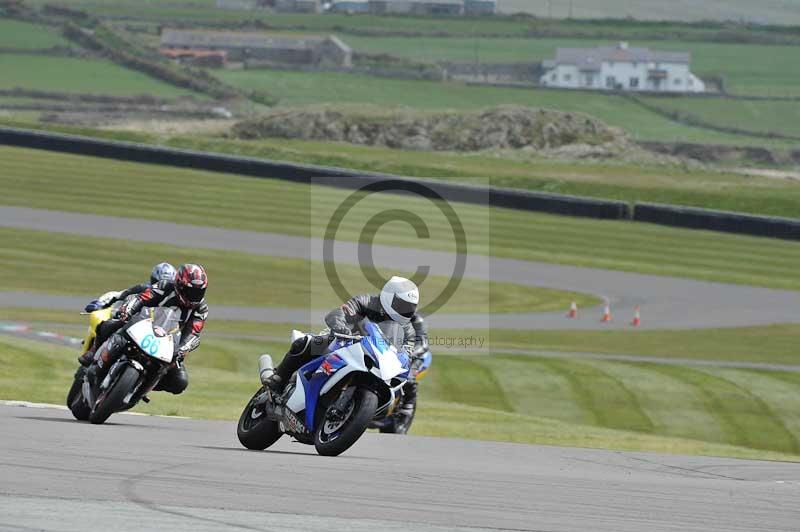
x=191 y=282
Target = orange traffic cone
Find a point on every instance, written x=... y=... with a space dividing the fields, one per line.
x=637 y=318
x=606 y=313
x=573 y=310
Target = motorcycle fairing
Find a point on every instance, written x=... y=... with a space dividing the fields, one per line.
x=328 y=370
x=160 y=347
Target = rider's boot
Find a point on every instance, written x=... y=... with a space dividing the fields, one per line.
x=109 y=354
x=87 y=358
x=292 y=361
x=409 y=403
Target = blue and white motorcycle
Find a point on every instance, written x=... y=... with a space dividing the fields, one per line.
x=330 y=401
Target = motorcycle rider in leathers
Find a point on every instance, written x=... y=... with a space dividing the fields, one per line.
x=397 y=302
x=163 y=271
x=187 y=293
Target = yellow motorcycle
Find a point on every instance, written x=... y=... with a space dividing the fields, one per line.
x=98 y=313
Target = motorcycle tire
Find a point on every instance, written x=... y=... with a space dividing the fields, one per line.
x=75 y=401
x=257 y=433
x=110 y=400
x=331 y=439
x=398 y=424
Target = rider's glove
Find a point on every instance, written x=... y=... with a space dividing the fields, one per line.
x=108 y=298
x=341 y=330
x=124 y=312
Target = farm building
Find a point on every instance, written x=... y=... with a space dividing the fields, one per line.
x=350 y=6
x=252 y=48
x=417 y=7
x=621 y=67
x=204 y=58
x=390 y=6
x=438 y=7
x=480 y=7
x=237 y=4
x=298 y=6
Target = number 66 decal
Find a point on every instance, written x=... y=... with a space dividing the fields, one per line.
x=150 y=344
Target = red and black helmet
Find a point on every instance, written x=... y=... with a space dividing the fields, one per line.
x=191 y=282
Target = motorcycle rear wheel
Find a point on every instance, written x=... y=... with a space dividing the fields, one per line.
x=398 y=424
x=257 y=433
x=110 y=400
x=332 y=438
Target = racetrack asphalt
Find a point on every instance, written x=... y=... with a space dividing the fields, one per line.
x=666 y=302
x=151 y=473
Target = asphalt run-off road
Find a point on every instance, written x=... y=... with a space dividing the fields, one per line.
x=152 y=473
x=668 y=303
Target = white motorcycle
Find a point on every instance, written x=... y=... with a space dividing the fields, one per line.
x=153 y=338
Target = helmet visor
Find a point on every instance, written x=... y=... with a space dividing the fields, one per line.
x=193 y=294
x=403 y=307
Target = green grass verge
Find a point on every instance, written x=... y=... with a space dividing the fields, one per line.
x=99 y=186
x=774 y=344
x=24 y=35
x=69 y=74
x=746 y=408
x=631 y=182
x=236 y=278
x=302 y=88
x=547 y=406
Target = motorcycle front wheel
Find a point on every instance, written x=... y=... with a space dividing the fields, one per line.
x=254 y=430
x=110 y=400
x=333 y=435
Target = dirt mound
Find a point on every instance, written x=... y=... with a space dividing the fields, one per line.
x=497 y=128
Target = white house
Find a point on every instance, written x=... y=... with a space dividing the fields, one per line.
x=621 y=68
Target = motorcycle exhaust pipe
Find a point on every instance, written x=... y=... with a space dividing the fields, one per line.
x=265 y=369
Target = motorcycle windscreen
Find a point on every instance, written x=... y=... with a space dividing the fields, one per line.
x=148 y=340
x=390 y=362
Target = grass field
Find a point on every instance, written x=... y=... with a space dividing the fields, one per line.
x=98 y=186
x=68 y=74
x=23 y=35
x=506 y=398
x=302 y=88
x=747 y=68
x=765 y=12
x=765 y=116
x=773 y=11
x=238 y=278
x=775 y=344
x=659 y=183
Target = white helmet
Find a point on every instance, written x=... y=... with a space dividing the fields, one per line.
x=163 y=271
x=399 y=299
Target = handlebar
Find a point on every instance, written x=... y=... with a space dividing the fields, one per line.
x=354 y=337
